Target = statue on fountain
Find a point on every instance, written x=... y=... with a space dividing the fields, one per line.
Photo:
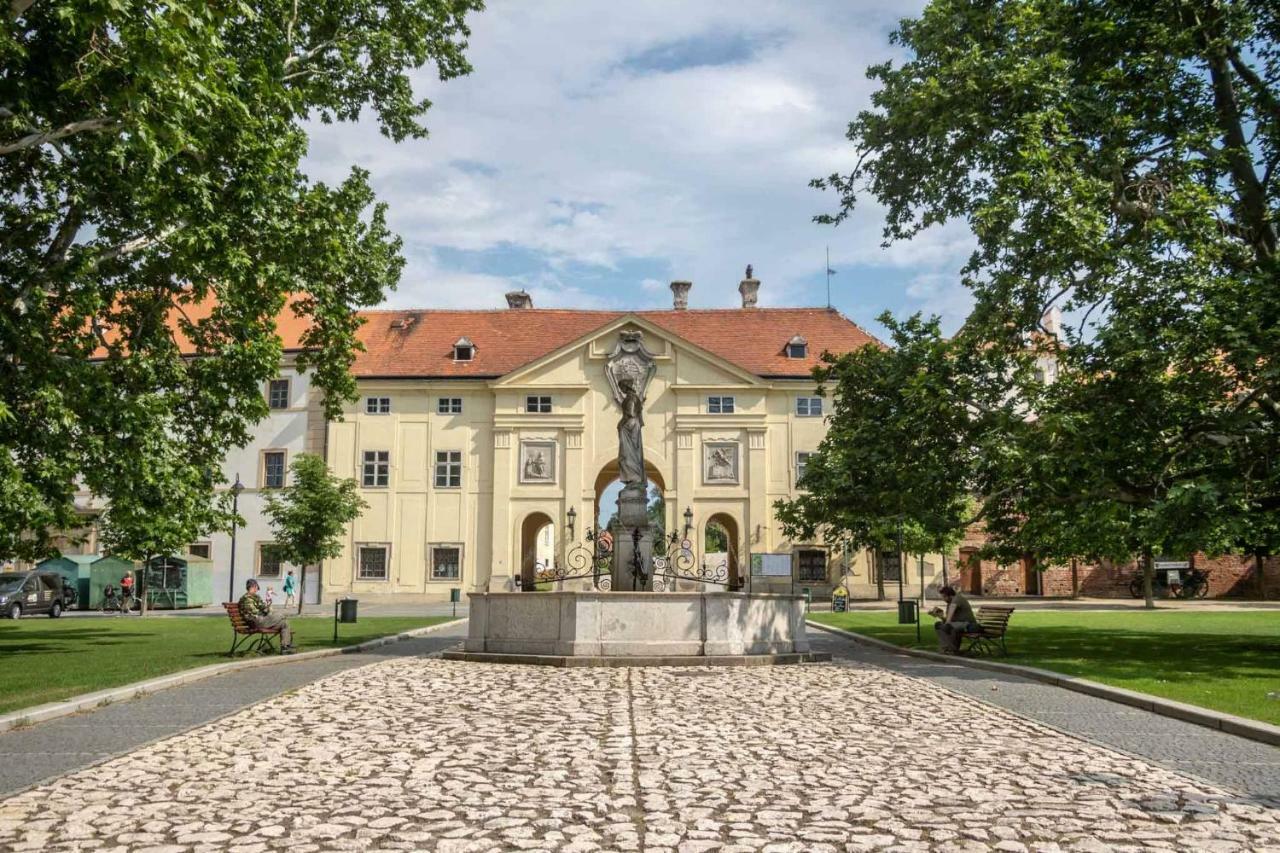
x=629 y=369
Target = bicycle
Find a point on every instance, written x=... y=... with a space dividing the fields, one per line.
x=119 y=603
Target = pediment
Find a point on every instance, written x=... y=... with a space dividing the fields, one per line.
x=697 y=365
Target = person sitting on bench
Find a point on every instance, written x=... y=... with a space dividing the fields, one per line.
x=258 y=614
x=956 y=621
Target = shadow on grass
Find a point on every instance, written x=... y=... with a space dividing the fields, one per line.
x=40 y=642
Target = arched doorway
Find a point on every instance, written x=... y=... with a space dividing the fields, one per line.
x=720 y=548
x=537 y=548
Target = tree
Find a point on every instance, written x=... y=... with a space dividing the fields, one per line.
x=150 y=170
x=1118 y=160
x=907 y=424
x=309 y=515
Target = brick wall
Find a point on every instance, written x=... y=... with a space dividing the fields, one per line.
x=1230 y=575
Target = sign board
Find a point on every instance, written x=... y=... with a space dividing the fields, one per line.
x=771 y=565
x=839 y=600
x=1172 y=564
x=1175 y=577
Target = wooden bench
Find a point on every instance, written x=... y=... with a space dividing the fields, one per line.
x=247 y=638
x=993 y=624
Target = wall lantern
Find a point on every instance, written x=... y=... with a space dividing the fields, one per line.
x=688 y=520
x=573 y=519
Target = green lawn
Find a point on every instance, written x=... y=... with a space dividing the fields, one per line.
x=1224 y=661
x=44 y=660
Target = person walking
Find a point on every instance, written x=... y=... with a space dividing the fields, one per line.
x=290 y=590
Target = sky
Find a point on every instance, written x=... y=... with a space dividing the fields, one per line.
x=600 y=150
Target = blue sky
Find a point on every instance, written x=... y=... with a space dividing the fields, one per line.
x=600 y=150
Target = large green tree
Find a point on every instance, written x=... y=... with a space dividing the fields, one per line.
x=149 y=165
x=1118 y=160
x=907 y=425
x=309 y=515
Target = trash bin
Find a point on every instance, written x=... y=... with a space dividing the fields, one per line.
x=347 y=610
x=808 y=597
x=907 y=612
x=455 y=595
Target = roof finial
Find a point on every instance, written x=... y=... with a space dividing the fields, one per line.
x=748 y=275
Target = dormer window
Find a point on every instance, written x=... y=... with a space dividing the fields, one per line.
x=464 y=350
x=797 y=347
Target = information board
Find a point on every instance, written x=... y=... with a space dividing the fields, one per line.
x=771 y=565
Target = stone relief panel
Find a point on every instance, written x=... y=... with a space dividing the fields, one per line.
x=538 y=461
x=720 y=463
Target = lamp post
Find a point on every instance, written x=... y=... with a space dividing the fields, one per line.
x=236 y=488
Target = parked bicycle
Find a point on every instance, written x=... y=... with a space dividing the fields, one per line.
x=119 y=601
x=1191 y=583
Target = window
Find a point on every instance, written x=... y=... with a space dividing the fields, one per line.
x=811 y=566
x=200 y=549
x=273 y=469
x=540 y=405
x=802 y=462
x=268 y=561
x=809 y=407
x=448 y=469
x=446 y=563
x=377 y=467
x=371 y=563
x=720 y=405
x=278 y=394
x=464 y=350
x=449 y=405
x=797 y=347
x=377 y=405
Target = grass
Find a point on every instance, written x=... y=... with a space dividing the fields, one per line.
x=45 y=660
x=1225 y=661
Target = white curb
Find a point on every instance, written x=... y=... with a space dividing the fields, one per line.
x=1229 y=723
x=89 y=701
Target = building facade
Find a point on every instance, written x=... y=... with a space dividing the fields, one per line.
x=485 y=442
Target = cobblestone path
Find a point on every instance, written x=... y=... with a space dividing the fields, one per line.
x=422 y=753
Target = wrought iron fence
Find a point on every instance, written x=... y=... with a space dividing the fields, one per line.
x=590 y=559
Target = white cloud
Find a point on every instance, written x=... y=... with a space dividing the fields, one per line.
x=555 y=155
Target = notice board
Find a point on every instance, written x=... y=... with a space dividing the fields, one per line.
x=771 y=565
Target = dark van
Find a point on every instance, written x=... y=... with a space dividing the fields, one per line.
x=34 y=592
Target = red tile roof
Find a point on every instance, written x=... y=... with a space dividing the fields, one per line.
x=409 y=343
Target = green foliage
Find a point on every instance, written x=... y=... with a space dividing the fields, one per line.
x=309 y=515
x=906 y=428
x=1118 y=160
x=150 y=164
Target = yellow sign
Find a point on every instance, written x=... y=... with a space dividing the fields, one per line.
x=839 y=592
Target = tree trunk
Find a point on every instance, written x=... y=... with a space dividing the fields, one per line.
x=875 y=555
x=302 y=586
x=142 y=586
x=1075 y=579
x=1258 y=564
x=1148 y=579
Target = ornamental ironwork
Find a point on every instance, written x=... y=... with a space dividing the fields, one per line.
x=591 y=559
x=677 y=563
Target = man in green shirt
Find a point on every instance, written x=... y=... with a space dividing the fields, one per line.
x=258 y=614
x=956 y=621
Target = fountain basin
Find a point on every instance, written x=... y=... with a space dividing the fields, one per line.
x=626 y=627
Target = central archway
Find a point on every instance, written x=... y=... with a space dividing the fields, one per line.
x=607 y=487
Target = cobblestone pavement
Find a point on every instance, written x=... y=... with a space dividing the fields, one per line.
x=421 y=753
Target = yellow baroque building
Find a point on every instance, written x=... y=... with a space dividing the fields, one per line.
x=485 y=443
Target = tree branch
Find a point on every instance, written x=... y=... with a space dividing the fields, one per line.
x=1264 y=95
x=18 y=7
x=40 y=137
x=130 y=246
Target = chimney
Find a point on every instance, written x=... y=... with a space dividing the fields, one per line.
x=519 y=299
x=680 y=294
x=750 y=289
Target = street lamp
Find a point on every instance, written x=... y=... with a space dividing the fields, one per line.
x=236 y=488
x=688 y=520
x=573 y=520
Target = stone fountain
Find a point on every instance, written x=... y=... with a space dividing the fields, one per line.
x=632 y=624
